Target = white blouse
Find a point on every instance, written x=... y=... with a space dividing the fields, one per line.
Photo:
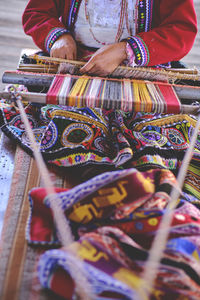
x=98 y=21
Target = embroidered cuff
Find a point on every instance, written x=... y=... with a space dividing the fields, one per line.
x=139 y=49
x=53 y=35
x=130 y=60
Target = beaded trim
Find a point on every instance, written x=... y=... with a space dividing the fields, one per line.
x=144 y=22
x=53 y=35
x=140 y=50
x=73 y=12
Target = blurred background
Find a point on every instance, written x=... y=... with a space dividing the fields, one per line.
x=13 y=39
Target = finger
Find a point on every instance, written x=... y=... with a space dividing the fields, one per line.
x=74 y=54
x=58 y=54
x=96 y=70
x=102 y=71
x=87 y=67
x=52 y=53
x=99 y=73
x=69 y=55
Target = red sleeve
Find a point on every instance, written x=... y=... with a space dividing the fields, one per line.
x=42 y=21
x=171 y=38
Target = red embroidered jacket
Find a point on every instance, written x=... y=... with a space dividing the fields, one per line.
x=165 y=29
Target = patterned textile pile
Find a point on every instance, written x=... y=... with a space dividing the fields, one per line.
x=115 y=215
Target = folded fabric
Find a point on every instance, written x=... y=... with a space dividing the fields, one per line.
x=110 y=277
x=114 y=218
x=110 y=198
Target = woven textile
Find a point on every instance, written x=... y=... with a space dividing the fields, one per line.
x=115 y=214
x=106 y=93
x=69 y=136
x=119 y=256
x=114 y=217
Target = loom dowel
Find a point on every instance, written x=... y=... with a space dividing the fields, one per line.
x=111 y=98
x=55 y=60
x=26 y=96
x=27 y=79
x=128 y=72
x=41 y=99
x=189 y=109
x=45 y=80
x=187 y=92
x=44 y=68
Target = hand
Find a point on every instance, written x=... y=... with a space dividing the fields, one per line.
x=64 y=47
x=105 y=60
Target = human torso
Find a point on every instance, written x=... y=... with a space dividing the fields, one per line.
x=104 y=22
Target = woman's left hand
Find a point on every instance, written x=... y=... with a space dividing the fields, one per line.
x=105 y=60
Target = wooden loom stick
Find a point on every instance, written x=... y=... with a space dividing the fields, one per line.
x=54 y=60
x=64 y=232
x=28 y=78
x=160 y=240
x=45 y=80
x=124 y=71
x=40 y=98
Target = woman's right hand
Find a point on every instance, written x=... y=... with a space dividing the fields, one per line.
x=64 y=47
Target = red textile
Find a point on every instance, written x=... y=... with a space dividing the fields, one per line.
x=175 y=26
x=54 y=90
x=172 y=102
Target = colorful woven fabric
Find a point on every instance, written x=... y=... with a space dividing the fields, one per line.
x=114 y=218
x=117 y=213
x=113 y=260
x=111 y=278
x=70 y=136
x=106 y=93
x=107 y=198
